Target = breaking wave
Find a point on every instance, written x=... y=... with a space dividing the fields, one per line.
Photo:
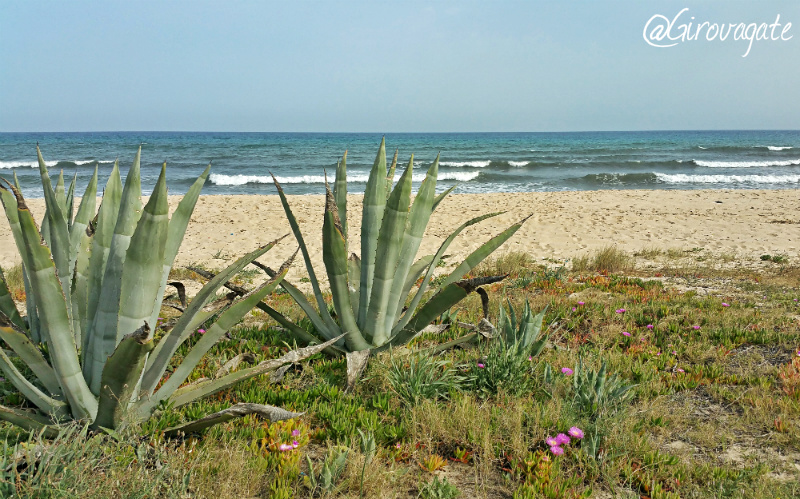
x=218 y=179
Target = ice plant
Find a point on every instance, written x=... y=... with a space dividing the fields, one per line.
x=94 y=286
x=649 y=326
x=556 y=450
x=725 y=304
x=625 y=333
x=696 y=327
x=566 y=370
x=562 y=439
x=551 y=441
x=575 y=432
x=481 y=366
x=620 y=311
x=373 y=295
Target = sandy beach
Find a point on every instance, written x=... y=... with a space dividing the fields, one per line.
x=747 y=223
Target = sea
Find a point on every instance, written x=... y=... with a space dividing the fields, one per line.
x=242 y=163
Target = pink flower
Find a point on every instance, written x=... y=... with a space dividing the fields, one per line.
x=674 y=352
x=201 y=331
x=295 y=433
x=620 y=310
x=680 y=370
x=649 y=326
x=397 y=445
x=552 y=442
x=567 y=371
x=285 y=447
x=556 y=450
x=562 y=439
x=295 y=444
x=575 y=432
x=581 y=303
x=530 y=358
x=725 y=304
x=625 y=333
x=481 y=366
x=696 y=327
x=574 y=309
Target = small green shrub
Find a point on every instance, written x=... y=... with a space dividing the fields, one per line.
x=505 y=367
x=422 y=377
x=439 y=489
x=596 y=392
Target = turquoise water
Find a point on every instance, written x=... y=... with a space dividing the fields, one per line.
x=477 y=162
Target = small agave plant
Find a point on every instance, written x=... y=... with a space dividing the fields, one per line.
x=370 y=290
x=524 y=336
x=94 y=286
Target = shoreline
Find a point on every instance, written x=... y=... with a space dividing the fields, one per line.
x=563 y=224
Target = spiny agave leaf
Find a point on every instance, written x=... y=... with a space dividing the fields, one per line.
x=71 y=201
x=106 y=220
x=30 y=421
x=188 y=394
x=441 y=196
x=414 y=273
x=120 y=377
x=224 y=322
x=55 y=319
x=390 y=240
x=418 y=218
x=159 y=360
x=86 y=210
x=340 y=192
x=312 y=276
x=106 y=317
x=429 y=275
x=57 y=226
x=433 y=308
x=43 y=401
x=177 y=230
x=236 y=411
x=353 y=280
x=8 y=308
x=390 y=174
x=61 y=194
x=30 y=354
x=80 y=286
x=334 y=256
x=482 y=252
x=371 y=218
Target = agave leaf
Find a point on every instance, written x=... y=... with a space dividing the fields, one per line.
x=29 y=421
x=55 y=319
x=390 y=241
x=224 y=322
x=312 y=276
x=340 y=192
x=104 y=224
x=177 y=230
x=190 y=393
x=80 y=288
x=120 y=377
x=43 y=401
x=441 y=197
x=482 y=252
x=236 y=411
x=159 y=360
x=57 y=225
x=390 y=174
x=418 y=218
x=77 y=227
x=353 y=280
x=414 y=273
x=33 y=358
x=103 y=329
x=7 y=306
x=71 y=201
x=334 y=256
x=433 y=308
x=371 y=218
x=429 y=275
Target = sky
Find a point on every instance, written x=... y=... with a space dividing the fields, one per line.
x=364 y=66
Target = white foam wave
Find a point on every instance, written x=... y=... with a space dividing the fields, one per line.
x=519 y=163
x=682 y=178
x=218 y=179
x=473 y=164
x=746 y=164
x=701 y=147
x=22 y=164
x=779 y=148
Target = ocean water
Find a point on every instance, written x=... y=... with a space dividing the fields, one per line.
x=477 y=162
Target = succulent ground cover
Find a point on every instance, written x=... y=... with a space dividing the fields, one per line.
x=706 y=347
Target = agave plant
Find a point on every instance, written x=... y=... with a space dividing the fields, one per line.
x=94 y=287
x=596 y=391
x=370 y=291
x=525 y=335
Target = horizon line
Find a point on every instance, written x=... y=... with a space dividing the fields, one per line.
x=420 y=132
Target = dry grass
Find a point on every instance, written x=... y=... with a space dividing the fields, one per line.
x=608 y=259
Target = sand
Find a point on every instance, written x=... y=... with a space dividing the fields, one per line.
x=563 y=225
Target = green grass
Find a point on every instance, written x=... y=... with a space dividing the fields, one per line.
x=715 y=410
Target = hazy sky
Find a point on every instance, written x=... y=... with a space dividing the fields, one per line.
x=379 y=66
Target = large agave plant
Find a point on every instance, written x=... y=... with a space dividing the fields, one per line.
x=370 y=291
x=94 y=286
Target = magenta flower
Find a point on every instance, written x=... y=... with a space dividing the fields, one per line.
x=550 y=441
x=201 y=331
x=574 y=309
x=680 y=370
x=556 y=450
x=674 y=352
x=625 y=333
x=567 y=371
x=530 y=358
x=725 y=304
x=620 y=310
x=295 y=444
x=481 y=366
x=295 y=433
x=562 y=439
x=581 y=303
x=575 y=432
x=649 y=326
x=696 y=327
x=285 y=447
